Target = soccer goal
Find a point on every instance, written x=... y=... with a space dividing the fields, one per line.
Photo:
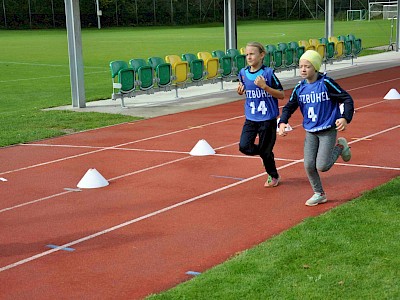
x=356 y=14
x=382 y=10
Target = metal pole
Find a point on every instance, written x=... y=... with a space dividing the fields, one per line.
x=136 y=12
x=52 y=10
x=73 y=22
x=5 y=16
x=98 y=13
x=154 y=12
x=329 y=8
x=398 y=28
x=116 y=11
x=230 y=24
x=30 y=14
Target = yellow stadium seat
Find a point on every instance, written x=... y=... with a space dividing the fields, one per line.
x=211 y=64
x=179 y=68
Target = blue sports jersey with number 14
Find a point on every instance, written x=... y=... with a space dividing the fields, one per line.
x=259 y=105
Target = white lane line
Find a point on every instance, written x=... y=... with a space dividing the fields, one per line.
x=157 y=212
x=115 y=146
x=147 y=216
x=69 y=191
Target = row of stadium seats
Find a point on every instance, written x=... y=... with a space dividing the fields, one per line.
x=157 y=74
x=285 y=56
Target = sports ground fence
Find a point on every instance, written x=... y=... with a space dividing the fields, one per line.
x=32 y=14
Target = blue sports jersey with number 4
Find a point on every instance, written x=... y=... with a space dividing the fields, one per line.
x=318 y=110
x=259 y=105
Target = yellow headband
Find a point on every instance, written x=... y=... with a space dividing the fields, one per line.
x=313 y=57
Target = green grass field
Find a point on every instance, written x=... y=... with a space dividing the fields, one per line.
x=35 y=70
x=350 y=252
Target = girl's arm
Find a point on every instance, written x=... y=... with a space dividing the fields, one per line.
x=288 y=110
x=340 y=95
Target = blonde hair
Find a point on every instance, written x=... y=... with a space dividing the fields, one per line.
x=257 y=45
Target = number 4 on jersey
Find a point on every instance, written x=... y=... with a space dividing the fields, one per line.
x=311 y=115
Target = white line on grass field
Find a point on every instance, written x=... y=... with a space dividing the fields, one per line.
x=47 y=77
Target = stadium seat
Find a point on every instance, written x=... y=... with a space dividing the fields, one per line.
x=306 y=45
x=320 y=48
x=298 y=50
x=163 y=72
x=123 y=79
x=180 y=69
x=356 y=44
x=288 y=55
x=196 y=66
x=144 y=73
x=339 y=47
x=225 y=62
x=211 y=64
x=330 y=51
x=238 y=59
x=277 y=56
x=243 y=50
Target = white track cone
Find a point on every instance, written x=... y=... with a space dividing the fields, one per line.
x=202 y=148
x=393 y=94
x=92 y=179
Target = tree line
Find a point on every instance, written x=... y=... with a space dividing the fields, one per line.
x=26 y=14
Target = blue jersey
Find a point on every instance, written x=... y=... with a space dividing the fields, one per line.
x=259 y=105
x=319 y=104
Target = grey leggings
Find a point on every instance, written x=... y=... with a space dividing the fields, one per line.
x=320 y=153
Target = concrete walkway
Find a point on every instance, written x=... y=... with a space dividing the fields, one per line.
x=164 y=103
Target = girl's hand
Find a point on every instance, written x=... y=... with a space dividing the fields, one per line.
x=282 y=127
x=240 y=89
x=341 y=124
x=260 y=82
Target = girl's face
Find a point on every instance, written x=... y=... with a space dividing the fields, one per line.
x=254 y=57
x=307 y=70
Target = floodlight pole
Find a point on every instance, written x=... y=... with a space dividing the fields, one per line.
x=98 y=13
x=398 y=28
x=329 y=16
x=230 y=24
x=73 y=21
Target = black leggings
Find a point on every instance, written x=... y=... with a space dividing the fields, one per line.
x=266 y=131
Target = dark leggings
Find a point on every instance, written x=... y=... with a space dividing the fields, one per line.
x=266 y=131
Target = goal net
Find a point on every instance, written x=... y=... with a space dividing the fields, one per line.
x=382 y=10
x=356 y=14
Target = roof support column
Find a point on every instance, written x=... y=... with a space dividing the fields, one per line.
x=329 y=16
x=73 y=22
x=230 y=24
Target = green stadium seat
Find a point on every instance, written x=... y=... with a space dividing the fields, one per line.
x=277 y=57
x=329 y=49
x=144 y=73
x=163 y=72
x=238 y=59
x=225 y=62
x=196 y=66
x=356 y=44
x=298 y=50
x=288 y=55
x=123 y=79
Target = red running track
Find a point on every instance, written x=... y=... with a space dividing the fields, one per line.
x=165 y=212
